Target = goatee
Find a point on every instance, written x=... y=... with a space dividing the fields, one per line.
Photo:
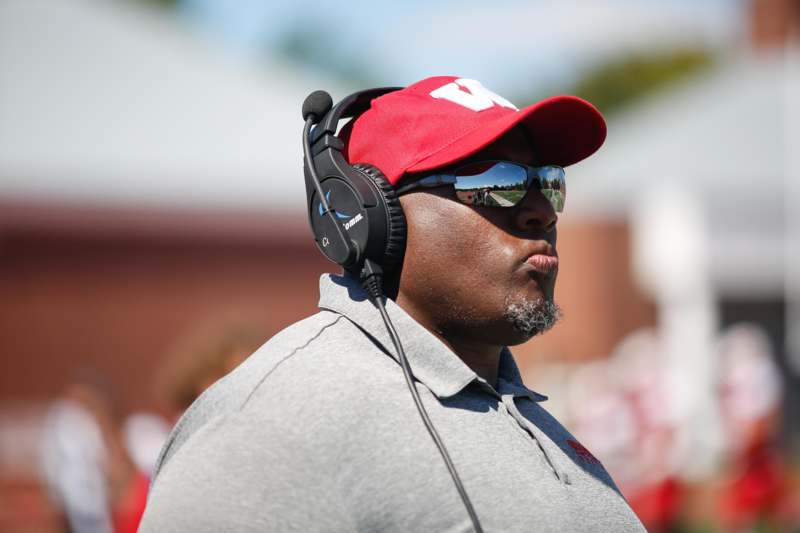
x=532 y=317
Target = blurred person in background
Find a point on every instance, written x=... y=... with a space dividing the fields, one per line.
x=641 y=376
x=755 y=484
x=85 y=463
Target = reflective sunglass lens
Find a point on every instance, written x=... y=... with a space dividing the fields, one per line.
x=553 y=186
x=491 y=184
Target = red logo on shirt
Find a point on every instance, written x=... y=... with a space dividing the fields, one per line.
x=582 y=452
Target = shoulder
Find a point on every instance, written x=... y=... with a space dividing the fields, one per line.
x=294 y=376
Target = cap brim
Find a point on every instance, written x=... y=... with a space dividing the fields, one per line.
x=563 y=130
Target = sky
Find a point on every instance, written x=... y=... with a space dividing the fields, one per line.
x=505 y=44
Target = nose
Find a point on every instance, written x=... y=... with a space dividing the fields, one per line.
x=535 y=212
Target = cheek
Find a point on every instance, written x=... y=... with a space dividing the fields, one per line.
x=455 y=251
x=431 y=242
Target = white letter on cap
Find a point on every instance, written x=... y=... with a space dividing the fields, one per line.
x=476 y=97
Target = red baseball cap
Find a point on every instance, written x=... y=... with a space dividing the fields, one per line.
x=440 y=120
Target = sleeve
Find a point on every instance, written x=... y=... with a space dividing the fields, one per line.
x=243 y=473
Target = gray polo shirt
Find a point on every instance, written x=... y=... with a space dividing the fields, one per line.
x=317 y=431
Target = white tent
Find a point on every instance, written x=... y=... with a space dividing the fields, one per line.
x=113 y=104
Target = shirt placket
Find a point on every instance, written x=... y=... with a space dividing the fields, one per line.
x=541 y=439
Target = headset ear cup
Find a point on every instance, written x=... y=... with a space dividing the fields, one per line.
x=396 y=234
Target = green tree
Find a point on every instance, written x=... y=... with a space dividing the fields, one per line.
x=624 y=80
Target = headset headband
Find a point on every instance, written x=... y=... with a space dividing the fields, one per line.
x=351 y=106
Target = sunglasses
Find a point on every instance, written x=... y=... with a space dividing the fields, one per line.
x=498 y=183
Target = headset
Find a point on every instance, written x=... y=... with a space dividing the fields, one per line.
x=358 y=223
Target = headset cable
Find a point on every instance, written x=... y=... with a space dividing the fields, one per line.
x=371 y=279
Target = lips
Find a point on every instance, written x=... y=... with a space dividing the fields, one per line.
x=542 y=263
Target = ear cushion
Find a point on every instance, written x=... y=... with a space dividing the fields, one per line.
x=396 y=237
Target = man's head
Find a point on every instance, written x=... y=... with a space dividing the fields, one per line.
x=488 y=271
x=475 y=267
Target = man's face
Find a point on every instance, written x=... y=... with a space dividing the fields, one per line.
x=469 y=271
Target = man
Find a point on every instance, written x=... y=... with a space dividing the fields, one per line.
x=316 y=431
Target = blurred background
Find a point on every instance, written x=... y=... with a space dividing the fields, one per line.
x=153 y=233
